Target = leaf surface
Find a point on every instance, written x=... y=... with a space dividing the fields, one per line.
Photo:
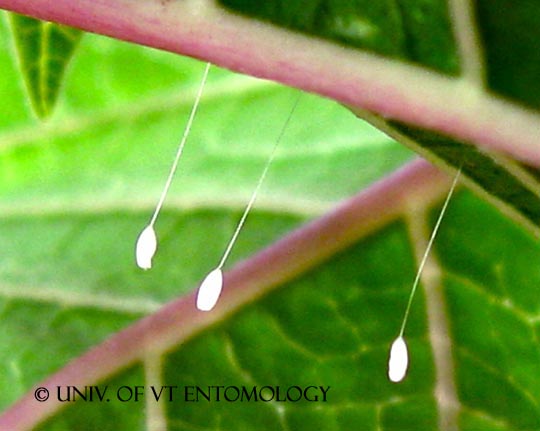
x=44 y=50
x=453 y=88
x=75 y=193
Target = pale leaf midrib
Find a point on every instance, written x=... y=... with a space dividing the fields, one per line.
x=281 y=205
x=72 y=299
x=129 y=110
x=470 y=53
x=438 y=322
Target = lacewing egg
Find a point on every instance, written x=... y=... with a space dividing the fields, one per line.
x=210 y=290
x=399 y=360
x=147 y=241
x=146 y=247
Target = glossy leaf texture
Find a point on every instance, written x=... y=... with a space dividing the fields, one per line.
x=44 y=51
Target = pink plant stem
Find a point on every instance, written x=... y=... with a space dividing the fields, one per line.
x=417 y=185
x=394 y=89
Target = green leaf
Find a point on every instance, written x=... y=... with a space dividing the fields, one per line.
x=458 y=41
x=438 y=76
x=44 y=50
x=76 y=191
x=389 y=28
x=399 y=29
x=507 y=184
